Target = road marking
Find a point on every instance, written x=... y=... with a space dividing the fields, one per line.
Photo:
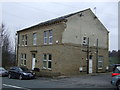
x=16 y=87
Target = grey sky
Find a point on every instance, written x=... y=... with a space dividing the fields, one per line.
x=19 y=15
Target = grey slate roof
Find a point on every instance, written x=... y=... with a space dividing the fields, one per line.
x=59 y=19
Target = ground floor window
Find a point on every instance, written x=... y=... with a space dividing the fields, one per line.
x=100 y=62
x=47 y=61
x=23 y=59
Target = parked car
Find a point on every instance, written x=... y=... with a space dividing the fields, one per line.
x=3 y=72
x=20 y=73
x=116 y=76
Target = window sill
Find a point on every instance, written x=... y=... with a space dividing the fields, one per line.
x=100 y=68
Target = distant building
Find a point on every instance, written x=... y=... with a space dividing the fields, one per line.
x=72 y=44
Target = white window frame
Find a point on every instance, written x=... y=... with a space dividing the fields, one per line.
x=23 y=36
x=50 y=36
x=23 y=59
x=25 y=40
x=45 y=37
x=34 y=38
x=44 y=60
x=47 y=61
x=100 y=61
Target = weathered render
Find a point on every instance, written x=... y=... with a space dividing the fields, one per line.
x=67 y=52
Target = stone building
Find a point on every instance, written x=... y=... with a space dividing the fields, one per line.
x=72 y=44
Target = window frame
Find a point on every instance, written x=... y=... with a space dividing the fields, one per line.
x=25 y=40
x=34 y=38
x=50 y=36
x=45 y=37
x=23 y=59
x=47 y=61
x=23 y=36
x=100 y=61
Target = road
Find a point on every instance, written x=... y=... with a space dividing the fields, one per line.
x=84 y=81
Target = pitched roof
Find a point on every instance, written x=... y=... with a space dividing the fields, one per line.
x=59 y=19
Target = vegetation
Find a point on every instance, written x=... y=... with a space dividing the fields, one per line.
x=114 y=57
x=8 y=54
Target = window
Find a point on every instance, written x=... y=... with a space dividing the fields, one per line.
x=45 y=37
x=47 y=61
x=34 y=38
x=25 y=40
x=44 y=61
x=23 y=59
x=22 y=40
x=48 y=37
x=117 y=69
x=100 y=62
x=84 y=41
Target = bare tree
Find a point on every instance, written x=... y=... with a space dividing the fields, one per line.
x=7 y=56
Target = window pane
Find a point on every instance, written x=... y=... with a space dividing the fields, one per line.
x=50 y=57
x=49 y=64
x=45 y=57
x=50 y=32
x=34 y=38
x=45 y=40
x=50 y=40
x=34 y=35
x=100 y=65
x=44 y=64
x=45 y=33
x=24 y=62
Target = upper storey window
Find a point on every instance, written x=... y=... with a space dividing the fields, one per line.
x=48 y=37
x=34 y=39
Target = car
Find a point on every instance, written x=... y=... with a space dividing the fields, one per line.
x=3 y=72
x=116 y=76
x=20 y=73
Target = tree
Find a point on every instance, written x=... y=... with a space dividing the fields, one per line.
x=7 y=54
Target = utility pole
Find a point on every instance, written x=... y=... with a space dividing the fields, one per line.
x=97 y=55
x=87 y=51
x=88 y=56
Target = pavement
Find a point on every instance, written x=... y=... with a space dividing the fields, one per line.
x=99 y=80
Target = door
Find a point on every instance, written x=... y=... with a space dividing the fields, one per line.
x=33 y=61
x=90 y=64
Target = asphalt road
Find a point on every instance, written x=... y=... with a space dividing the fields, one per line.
x=84 y=81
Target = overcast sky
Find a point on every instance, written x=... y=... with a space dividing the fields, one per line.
x=19 y=15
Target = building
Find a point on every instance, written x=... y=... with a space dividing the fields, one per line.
x=72 y=44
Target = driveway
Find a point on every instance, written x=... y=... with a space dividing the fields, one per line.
x=101 y=80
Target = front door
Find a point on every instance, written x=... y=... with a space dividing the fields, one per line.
x=33 y=61
x=90 y=64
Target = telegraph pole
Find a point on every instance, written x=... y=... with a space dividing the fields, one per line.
x=88 y=56
x=97 y=55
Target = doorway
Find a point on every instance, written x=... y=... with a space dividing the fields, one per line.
x=90 y=64
x=33 y=60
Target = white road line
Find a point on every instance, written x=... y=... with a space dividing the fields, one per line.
x=16 y=87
